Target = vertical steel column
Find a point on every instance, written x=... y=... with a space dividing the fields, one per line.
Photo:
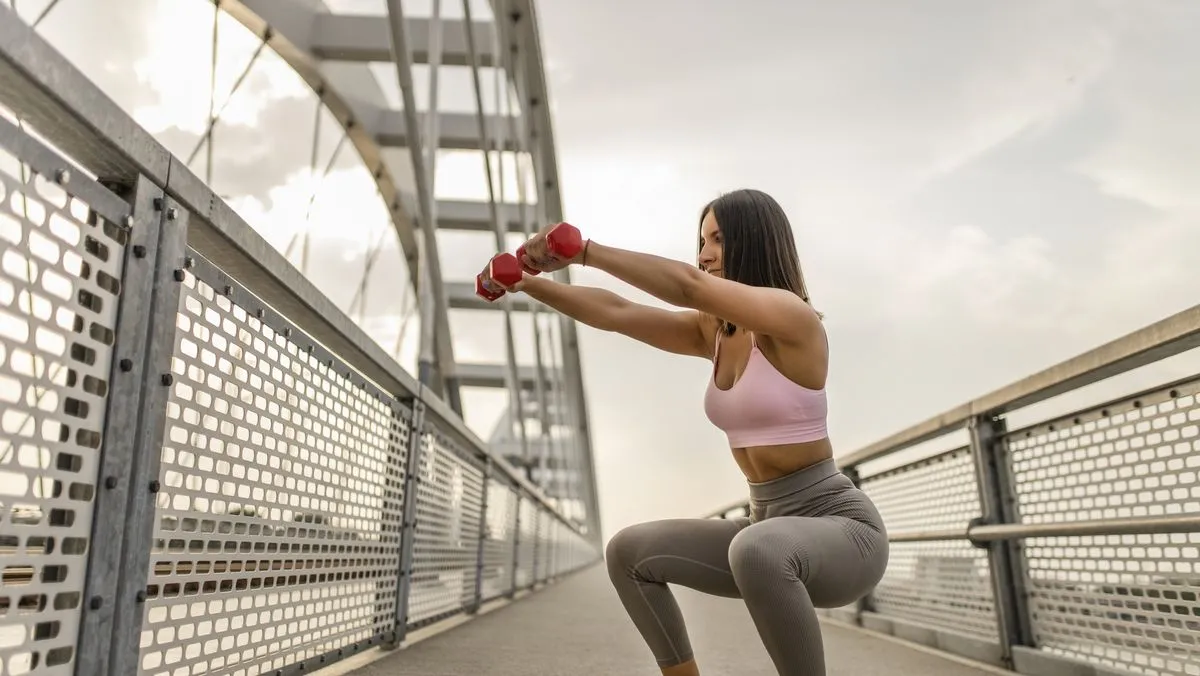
x=1005 y=558
x=436 y=361
x=509 y=65
x=477 y=599
x=137 y=425
x=516 y=401
x=569 y=373
x=408 y=527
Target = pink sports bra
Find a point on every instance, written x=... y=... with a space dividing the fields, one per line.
x=764 y=407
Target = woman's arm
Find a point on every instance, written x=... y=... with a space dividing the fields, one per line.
x=677 y=332
x=775 y=312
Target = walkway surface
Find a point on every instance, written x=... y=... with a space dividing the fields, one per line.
x=577 y=626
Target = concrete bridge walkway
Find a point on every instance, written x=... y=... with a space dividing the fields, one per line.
x=577 y=627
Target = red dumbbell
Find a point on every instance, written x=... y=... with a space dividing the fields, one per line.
x=563 y=240
x=503 y=268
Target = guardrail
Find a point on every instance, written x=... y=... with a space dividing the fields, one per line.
x=212 y=469
x=1069 y=546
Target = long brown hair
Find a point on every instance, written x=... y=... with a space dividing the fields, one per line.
x=758 y=245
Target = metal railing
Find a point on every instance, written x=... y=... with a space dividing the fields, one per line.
x=1067 y=546
x=207 y=467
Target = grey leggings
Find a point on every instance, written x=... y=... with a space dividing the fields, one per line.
x=812 y=540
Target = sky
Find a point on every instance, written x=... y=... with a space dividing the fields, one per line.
x=978 y=190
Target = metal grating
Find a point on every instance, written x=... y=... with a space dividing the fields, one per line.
x=498 y=541
x=1128 y=601
x=61 y=259
x=445 y=546
x=943 y=584
x=525 y=543
x=277 y=535
x=1137 y=458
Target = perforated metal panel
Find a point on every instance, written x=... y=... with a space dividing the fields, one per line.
x=941 y=584
x=1123 y=600
x=499 y=541
x=279 y=510
x=445 y=549
x=526 y=533
x=61 y=260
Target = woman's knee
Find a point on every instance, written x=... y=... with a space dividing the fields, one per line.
x=626 y=548
x=763 y=553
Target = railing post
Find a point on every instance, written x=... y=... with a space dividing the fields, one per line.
x=516 y=555
x=1005 y=559
x=134 y=437
x=477 y=599
x=113 y=531
x=408 y=521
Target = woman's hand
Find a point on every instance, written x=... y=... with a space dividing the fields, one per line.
x=517 y=286
x=538 y=256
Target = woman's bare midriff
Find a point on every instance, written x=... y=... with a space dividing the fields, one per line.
x=764 y=463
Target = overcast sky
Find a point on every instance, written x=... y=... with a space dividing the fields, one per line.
x=979 y=189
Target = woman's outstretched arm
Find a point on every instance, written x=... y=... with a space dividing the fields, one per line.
x=774 y=312
x=677 y=332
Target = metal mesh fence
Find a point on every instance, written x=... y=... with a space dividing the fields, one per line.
x=944 y=583
x=61 y=262
x=1127 y=600
x=277 y=539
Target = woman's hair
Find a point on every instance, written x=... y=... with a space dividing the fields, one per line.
x=758 y=247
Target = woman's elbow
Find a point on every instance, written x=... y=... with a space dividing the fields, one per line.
x=691 y=288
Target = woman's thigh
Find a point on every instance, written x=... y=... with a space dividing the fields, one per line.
x=693 y=553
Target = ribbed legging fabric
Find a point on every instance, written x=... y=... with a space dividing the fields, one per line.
x=813 y=540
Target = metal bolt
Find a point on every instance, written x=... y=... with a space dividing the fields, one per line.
x=110 y=483
x=139 y=251
x=228 y=289
x=159 y=203
x=155 y=486
x=128 y=220
x=179 y=275
x=127 y=365
x=62 y=176
x=188 y=262
x=95 y=603
x=172 y=214
x=167 y=379
x=141 y=596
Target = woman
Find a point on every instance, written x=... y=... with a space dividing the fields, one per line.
x=812 y=539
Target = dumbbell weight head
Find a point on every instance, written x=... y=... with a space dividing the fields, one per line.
x=502 y=269
x=563 y=241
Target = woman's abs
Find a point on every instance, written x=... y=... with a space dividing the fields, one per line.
x=764 y=463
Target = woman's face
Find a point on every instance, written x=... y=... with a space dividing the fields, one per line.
x=711 y=248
